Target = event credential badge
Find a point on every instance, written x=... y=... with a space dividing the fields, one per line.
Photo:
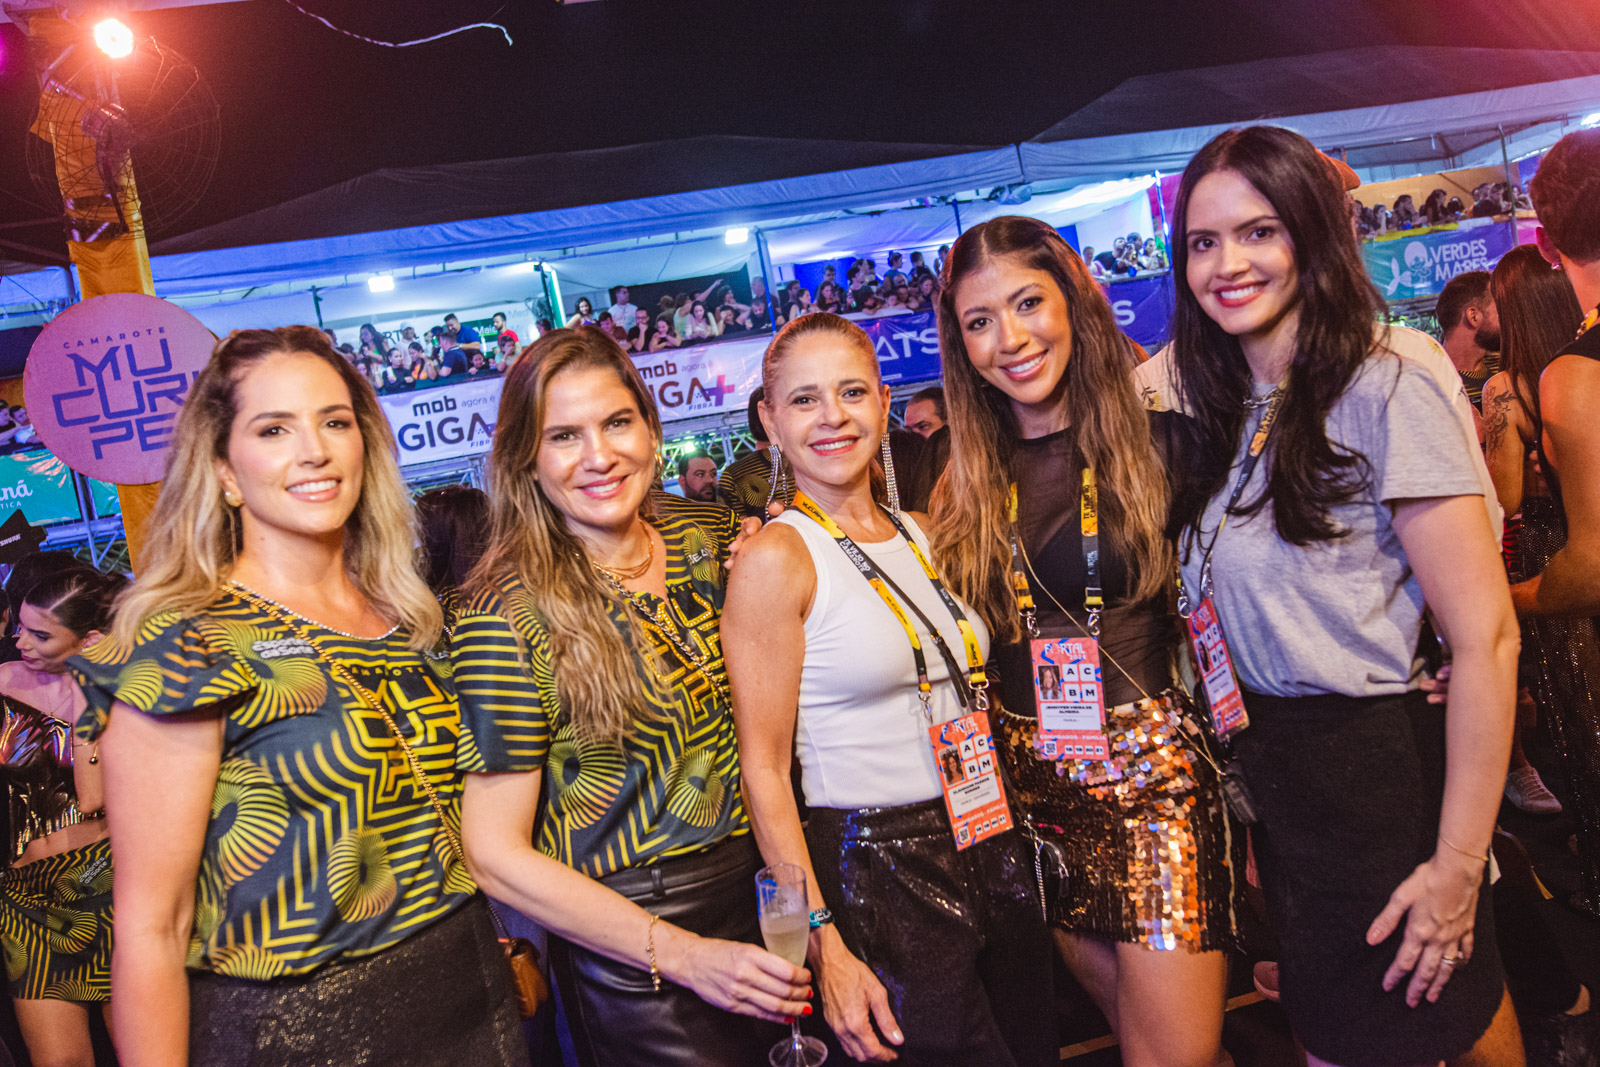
x=1071 y=698
x=973 y=793
x=1212 y=660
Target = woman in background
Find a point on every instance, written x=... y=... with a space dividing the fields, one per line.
x=1538 y=316
x=55 y=896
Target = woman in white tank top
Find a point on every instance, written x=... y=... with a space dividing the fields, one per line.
x=844 y=648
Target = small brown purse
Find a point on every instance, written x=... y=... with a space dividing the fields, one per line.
x=533 y=991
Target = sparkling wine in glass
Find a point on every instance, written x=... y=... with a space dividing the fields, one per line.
x=786 y=928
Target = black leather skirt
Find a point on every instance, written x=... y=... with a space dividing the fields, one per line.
x=614 y=1015
x=440 y=998
x=956 y=938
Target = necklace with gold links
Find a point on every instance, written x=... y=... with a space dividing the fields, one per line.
x=659 y=620
x=628 y=574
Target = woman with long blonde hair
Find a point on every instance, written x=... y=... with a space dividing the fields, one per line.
x=590 y=670
x=1051 y=521
x=277 y=733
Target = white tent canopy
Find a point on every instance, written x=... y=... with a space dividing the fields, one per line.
x=1390 y=127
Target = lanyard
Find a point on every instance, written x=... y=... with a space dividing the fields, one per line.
x=1258 y=445
x=881 y=583
x=1589 y=321
x=1089 y=528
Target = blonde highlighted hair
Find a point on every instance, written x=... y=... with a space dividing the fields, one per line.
x=193 y=540
x=602 y=694
x=1110 y=431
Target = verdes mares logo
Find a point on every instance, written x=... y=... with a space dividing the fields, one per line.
x=1426 y=267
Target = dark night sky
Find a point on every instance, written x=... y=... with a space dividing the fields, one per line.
x=304 y=107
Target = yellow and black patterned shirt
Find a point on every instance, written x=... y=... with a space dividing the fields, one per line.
x=672 y=787
x=321 y=845
x=745 y=484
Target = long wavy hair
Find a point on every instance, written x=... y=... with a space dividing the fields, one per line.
x=1538 y=315
x=1338 y=309
x=601 y=693
x=194 y=538
x=1110 y=430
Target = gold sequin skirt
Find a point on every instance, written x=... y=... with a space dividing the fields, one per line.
x=1149 y=855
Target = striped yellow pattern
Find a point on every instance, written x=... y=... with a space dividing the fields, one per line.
x=321 y=844
x=673 y=786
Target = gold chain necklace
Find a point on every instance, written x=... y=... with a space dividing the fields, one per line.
x=659 y=620
x=628 y=574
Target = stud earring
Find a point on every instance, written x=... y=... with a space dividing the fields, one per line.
x=232 y=499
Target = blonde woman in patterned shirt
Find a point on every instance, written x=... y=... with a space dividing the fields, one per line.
x=287 y=891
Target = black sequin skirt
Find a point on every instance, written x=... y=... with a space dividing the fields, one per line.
x=1562 y=657
x=440 y=998
x=1150 y=857
x=55 y=925
x=955 y=936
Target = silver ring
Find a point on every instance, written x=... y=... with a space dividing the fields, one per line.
x=1447 y=961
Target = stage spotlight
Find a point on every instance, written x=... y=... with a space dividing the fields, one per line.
x=527 y=266
x=380 y=283
x=1592 y=119
x=114 y=38
x=737 y=235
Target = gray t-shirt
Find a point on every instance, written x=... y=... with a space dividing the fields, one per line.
x=1339 y=616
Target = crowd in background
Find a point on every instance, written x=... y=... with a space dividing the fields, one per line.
x=1489 y=200
x=1128 y=257
x=17 y=431
x=689 y=318
x=396 y=364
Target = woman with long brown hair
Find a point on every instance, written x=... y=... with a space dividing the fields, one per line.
x=1330 y=494
x=1538 y=316
x=1051 y=521
x=848 y=654
x=590 y=671
x=277 y=730
x=55 y=894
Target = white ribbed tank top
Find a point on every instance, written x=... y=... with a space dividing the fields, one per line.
x=860 y=735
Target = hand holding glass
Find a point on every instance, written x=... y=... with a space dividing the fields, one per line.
x=786 y=928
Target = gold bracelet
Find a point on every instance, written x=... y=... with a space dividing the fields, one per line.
x=1470 y=855
x=650 y=945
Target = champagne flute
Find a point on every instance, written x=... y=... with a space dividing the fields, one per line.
x=786 y=928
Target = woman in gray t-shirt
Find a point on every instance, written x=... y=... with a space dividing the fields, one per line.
x=1330 y=494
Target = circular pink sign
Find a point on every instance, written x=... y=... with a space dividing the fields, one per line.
x=105 y=379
